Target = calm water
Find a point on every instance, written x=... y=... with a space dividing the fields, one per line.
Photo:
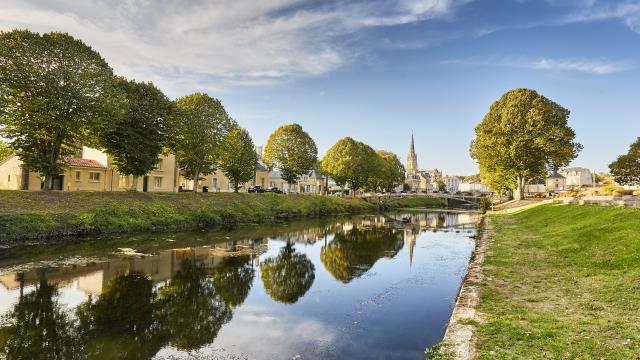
x=367 y=287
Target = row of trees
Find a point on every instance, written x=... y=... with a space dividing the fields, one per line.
x=57 y=94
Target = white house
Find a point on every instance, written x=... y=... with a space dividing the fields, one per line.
x=452 y=184
x=473 y=186
x=577 y=177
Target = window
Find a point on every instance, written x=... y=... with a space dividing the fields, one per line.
x=157 y=181
x=214 y=183
x=94 y=176
x=159 y=165
x=8 y=178
x=77 y=175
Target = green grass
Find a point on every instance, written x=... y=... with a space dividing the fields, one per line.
x=414 y=202
x=562 y=282
x=41 y=215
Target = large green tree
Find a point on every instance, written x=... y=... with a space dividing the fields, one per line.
x=389 y=172
x=138 y=138
x=56 y=93
x=524 y=135
x=5 y=150
x=626 y=168
x=237 y=157
x=197 y=128
x=351 y=162
x=292 y=151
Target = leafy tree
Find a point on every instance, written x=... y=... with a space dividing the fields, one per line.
x=498 y=179
x=351 y=254
x=37 y=327
x=288 y=276
x=5 y=150
x=56 y=94
x=389 y=172
x=626 y=168
x=197 y=128
x=237 y=157
x=138 y=138
x=191 y=310
x=524 y=135
x=442 y=187
x=233 y=279
x=292 y=151
x=121 y=324
x=351 y=162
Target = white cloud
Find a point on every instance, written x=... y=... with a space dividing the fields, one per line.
x=588 y=66
x=213 y=44
x=596 y=67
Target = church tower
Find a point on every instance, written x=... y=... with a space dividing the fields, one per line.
x=412 y=160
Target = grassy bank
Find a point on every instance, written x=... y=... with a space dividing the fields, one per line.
x=40 y=215
x=410 y=202
x=561 y=282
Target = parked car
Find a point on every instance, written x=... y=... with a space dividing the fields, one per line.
x=256 y=189
x=274 y=190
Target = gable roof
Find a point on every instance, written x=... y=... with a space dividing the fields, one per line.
x=555 y=175
x=87 y=163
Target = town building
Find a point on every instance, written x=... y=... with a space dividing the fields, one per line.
x=555 y=182
x=420 y=181
x=452 y=184
x=577 y=177
x=473 y=186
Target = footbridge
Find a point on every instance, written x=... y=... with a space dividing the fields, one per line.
x=448 y=200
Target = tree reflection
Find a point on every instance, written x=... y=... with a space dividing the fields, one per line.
x=233 y=279
x=351 y=254
x=121 y=323
x=38 y=328
x=288 y=276
x=191 y=310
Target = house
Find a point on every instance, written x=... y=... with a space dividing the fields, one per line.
x=577 y=177
x=536 y=186
x=80 y=175
x=90 y=170
x=218 y=182
x=452 y=184
x=474 y=186
x=311 y=183
x=555 y=182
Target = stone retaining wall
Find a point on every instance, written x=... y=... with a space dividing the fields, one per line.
x=627 y=201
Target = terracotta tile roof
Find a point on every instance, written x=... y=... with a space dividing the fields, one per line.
x=88 y=163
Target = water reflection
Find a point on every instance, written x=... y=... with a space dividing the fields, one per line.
x=352 y=253
x=38 y=328
x=180 y=301
x=288 y=276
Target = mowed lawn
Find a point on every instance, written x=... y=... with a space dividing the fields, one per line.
x=562 y=282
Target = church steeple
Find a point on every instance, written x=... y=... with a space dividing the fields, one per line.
x=412 y=159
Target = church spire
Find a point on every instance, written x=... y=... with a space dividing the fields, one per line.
x=412 y=159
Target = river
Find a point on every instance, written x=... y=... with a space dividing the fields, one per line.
x=358 y=287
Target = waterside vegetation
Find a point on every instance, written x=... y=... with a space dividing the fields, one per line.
x=45 y=215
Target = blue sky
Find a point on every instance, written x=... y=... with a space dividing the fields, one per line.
x=375 y=70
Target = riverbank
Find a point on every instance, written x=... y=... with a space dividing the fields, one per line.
x=560 y=281
x=28 y=216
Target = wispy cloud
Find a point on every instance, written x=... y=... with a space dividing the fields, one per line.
x=213 y=45
x=587 y=66
x=596 y=67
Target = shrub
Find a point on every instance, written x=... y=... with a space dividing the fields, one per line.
x=636 y=193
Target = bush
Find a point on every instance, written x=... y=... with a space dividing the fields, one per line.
x=636 y=193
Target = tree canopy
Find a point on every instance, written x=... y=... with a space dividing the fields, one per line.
x=626 y=168
x=5 y=150
x=351 y=162
x=57 y=94
x=292 y=151
x=198 y=127
x=135 y=142
x=237 y=157
x=389 y=174
x=524 y=135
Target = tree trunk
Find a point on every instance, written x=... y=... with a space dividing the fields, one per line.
x=134 y=184
x=236 y=187
x=48 y=182
x=326 y=185
x=196 y=180
x=519 y=193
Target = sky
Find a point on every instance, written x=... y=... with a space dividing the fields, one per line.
x=375 y=70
